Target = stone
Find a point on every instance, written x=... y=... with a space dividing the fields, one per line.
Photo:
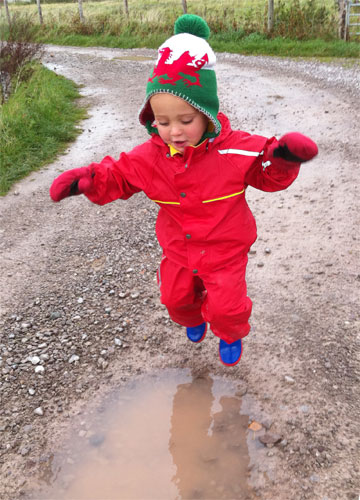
x=270 y=438
x=74 y=358
x=39 y=369
x=102 y=363
x=96 y=440
x=55 y=315
x=314 y=478
x=289 y=380
x=39 y=411
x=266 y=422
x=35 y=360
x=241 y=390
x=308 y=277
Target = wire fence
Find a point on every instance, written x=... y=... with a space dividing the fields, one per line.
x=297 y=19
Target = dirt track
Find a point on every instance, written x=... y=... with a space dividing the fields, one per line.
x=74 y=276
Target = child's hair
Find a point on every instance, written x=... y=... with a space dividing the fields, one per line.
x=185 y=68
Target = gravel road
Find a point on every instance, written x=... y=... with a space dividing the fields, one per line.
x=79 y=303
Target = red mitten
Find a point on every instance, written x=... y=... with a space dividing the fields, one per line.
x=72 y=182
x=294 y=147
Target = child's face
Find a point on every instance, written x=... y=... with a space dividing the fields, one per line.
x=178 y=123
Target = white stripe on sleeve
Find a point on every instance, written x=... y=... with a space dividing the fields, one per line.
x=242 y=152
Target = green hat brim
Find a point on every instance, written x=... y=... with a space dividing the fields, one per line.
x=195 y=95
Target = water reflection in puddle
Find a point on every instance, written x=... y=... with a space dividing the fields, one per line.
x=171 y=436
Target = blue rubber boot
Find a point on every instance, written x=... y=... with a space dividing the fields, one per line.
x=230 y=354
x=196 y=333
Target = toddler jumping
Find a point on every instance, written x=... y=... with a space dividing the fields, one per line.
x=196 y=169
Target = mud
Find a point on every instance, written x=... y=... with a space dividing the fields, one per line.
x=79 y=302
x=164 y=436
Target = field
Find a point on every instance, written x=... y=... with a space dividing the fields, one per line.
x=149 y=23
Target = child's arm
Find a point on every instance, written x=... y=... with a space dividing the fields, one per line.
x=106 y=181
x=280 y=162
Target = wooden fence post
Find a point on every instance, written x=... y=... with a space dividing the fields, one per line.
x=7 y=12
x=184 y=6
x=342 y=19
x=126 y=5
x=40 y=11
x=81 y=13
x=270 y=15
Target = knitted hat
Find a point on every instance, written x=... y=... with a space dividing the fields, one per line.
x=185 y=68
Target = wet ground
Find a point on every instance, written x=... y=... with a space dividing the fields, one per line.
x=81 y=319
x=165 y=436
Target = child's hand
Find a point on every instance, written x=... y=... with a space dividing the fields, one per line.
x=72 y=182
x=294 y=147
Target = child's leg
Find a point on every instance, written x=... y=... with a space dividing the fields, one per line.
x=226 y=306
x=181 y=292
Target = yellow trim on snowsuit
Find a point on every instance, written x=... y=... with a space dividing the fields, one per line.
x=173 y=152
x=205 y=201
x=167 y=202
x=224 y=197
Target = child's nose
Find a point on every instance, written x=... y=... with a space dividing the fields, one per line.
x=175 y=130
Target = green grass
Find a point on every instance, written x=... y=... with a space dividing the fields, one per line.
x=257 y=44
x=36 y=124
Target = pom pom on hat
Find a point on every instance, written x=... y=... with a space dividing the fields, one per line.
x=195 y=25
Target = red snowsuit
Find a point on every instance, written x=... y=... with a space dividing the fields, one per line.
x=204 y=225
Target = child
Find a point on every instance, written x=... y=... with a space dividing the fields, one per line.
x=196 y=168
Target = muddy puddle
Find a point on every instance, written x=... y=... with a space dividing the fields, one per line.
x=169 y=436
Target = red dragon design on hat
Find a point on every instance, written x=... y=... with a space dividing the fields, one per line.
x=185 y=65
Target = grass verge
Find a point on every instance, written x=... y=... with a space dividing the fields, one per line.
x=253 y=44
x=36 y=124
x=258 y=44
